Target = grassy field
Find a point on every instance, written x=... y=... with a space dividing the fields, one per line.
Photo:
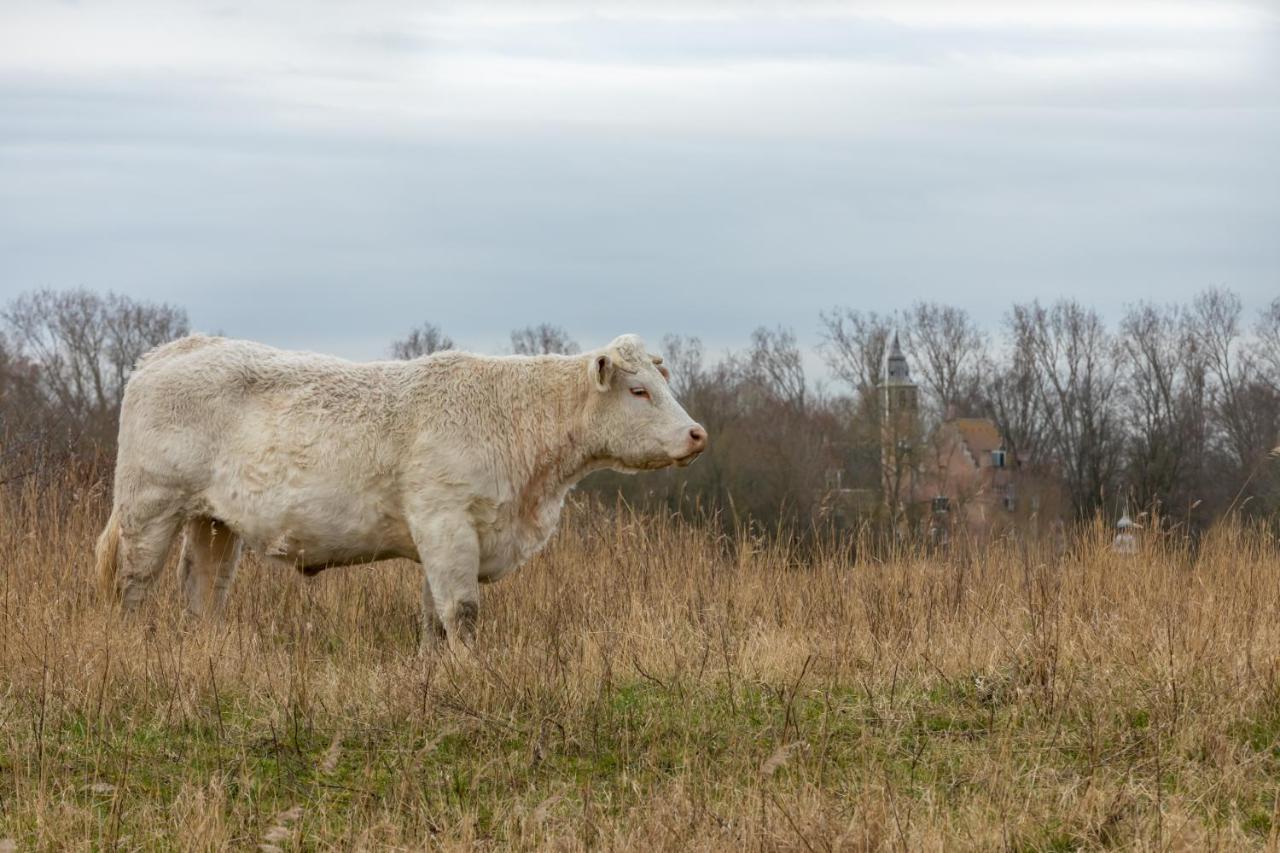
x=647 y=684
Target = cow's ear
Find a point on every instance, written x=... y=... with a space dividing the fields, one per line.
x=601 y=372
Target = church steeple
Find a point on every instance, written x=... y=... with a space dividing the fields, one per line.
x=896 y=372
x=899 y=394
x=899 y=431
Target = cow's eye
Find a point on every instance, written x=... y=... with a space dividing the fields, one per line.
x=642 y=393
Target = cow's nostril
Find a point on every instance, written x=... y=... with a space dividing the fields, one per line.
x=699 y=435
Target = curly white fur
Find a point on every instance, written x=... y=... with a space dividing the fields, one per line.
x=459 y=461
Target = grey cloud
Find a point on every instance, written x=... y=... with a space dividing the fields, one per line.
x=340 y=236
x=782 y=37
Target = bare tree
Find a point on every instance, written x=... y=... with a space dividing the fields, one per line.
x=15 y=376
x=777 y=365
x=30 y=432
x=1164 y=399
x=855 y=345
x=1267 y=345
x=83 y=346
x=543 y=339
x=1267 y=354
x=1013 y=396
x=948 y=352
x=21 y=405
x=1075 y=360
x=1215 y=320
x=423 y=340
x=684 y=359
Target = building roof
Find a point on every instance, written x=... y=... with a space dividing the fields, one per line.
x=980 y=435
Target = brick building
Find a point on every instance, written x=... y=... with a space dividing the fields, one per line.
x=959 y=476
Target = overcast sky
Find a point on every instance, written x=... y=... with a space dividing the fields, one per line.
x=324 y=176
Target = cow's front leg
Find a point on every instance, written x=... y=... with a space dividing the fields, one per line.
x=450 y=555
x=432 y=628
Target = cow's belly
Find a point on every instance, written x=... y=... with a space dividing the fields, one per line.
x=314 y=526
x=314 y=517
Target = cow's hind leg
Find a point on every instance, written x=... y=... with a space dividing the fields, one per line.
x=210 y=552
x=146 y=535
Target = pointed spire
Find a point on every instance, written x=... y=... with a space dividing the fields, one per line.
x=896 y=372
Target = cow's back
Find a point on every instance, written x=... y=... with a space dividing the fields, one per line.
x=268 y=441
x=196 y=377
x=202 y=402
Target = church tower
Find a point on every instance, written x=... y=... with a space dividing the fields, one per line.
x=900 y=431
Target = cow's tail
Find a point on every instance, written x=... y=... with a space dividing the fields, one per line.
x=108 y=554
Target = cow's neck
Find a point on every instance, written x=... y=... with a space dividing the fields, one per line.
x=550 y=429
x=558 y=467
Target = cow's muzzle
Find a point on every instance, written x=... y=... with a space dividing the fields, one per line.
x=697 y=443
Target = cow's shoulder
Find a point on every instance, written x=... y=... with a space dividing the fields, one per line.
x=176 y=348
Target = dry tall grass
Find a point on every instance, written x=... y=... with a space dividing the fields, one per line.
x=648 y=684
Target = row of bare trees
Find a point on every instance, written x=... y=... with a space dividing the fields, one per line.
x=1173 y=406
x=1178 y=407
x=543 y=339
x=64 y=359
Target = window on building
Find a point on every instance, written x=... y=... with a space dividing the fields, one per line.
x=997 y=458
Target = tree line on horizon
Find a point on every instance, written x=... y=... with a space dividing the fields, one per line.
x=1174 y=409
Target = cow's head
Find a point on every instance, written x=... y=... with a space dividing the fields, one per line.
x=635 y=420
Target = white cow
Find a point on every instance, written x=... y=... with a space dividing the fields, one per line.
x=459 y=461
